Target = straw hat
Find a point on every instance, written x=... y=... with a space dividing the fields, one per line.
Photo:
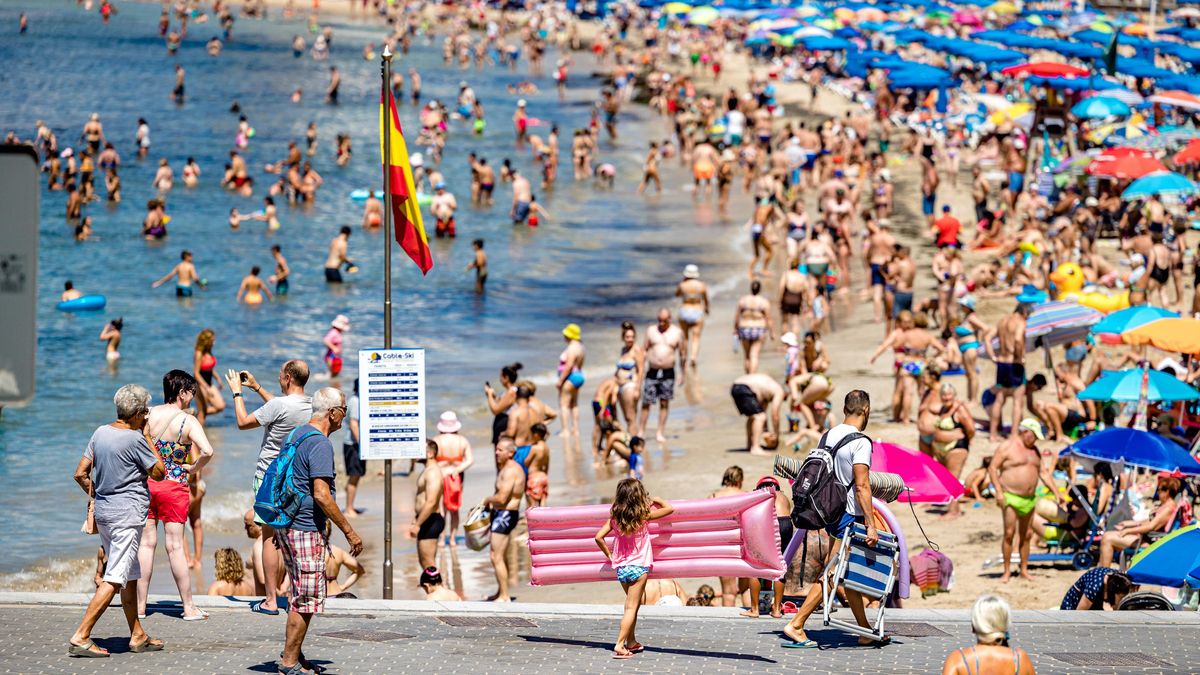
x=572 y=331
x=448 y=423
x=341 y=323
x=691 y=272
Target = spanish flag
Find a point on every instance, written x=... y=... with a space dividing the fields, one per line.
x=406 y=214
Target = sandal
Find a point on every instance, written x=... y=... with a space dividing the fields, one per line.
x=294 y=670
x=147 y=645
x=87 y=650
x=257 y=608
x=307 y=665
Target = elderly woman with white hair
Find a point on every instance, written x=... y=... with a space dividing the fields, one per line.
x=991 y=655
x=113 y=472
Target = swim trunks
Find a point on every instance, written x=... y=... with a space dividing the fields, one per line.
x=335 y=365
x=446 y=228
x=627 y=574
x=432 y=527
x=1010 y=375
x=520 y=212
x=877 y=275
x=183 y=291
x=927 y=204
x=746 y=400
x=354 y=465
x=659 y=385
x=835 y=530
x=1021 y=504
x=901 y=301
x=504 y=521
x=333 y=275
x=281 y=287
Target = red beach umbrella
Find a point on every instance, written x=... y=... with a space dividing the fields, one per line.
x=930 y=482
x=1127 y=167
x=1045 y=69
x=1190 y=154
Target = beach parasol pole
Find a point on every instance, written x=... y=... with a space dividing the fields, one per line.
x=386 y=73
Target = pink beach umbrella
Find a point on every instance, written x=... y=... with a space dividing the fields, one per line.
x=929 y=482
x=966 y=18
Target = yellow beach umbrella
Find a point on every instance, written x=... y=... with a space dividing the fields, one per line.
x=1011 y=113
x=702 y=16
x=844 y=14
x=1003 y=7
x=677 y=8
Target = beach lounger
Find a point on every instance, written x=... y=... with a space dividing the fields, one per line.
x=870 y=570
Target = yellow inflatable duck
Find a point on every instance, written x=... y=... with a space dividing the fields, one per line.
x=1069 y=281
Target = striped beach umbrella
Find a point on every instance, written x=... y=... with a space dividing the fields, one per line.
x=1055 y=323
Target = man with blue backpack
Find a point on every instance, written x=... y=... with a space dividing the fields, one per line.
x=297 y=499
x=833 y=491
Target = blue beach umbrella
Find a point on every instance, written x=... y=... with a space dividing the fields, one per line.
x=1099 y=107
x=1135 y=448
x=1131 y=317
x=820 y=42
x=1126 y=385
x=1172 y=561
x=1163 y=183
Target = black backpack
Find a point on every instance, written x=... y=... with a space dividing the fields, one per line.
x=818 y=497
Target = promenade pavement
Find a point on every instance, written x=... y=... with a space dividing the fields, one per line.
x=377 y=636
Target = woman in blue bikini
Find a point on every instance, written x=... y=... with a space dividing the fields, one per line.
x=570 y=379
x=967 y=333
x=631 y=368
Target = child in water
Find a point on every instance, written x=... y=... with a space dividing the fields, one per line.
x=631 y=557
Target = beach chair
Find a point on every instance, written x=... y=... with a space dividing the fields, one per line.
x=870 y=570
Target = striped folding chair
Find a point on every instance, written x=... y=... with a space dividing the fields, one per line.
x=869 y=570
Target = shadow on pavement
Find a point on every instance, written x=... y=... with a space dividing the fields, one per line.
x=607 y=646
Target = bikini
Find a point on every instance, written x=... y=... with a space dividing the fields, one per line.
x=576 y=377
x=207 y=363
x=962 y=331
x=629 y=365
x=963 y=655
x=692 y=310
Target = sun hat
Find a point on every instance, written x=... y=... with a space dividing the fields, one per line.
x=572 y=331
x=967 y=301
x=341 y=323
x=691 y=272
x=448 y=423
x=1030 y=424
x=521 y=103
x=789 y=339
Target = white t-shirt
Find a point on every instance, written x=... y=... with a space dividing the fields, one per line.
x=735 y=122
x=278 y=417
x=855 y=452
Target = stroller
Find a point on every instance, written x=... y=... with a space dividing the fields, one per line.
x=1078 y=541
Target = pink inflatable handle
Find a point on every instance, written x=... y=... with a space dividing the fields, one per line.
x=735 y=536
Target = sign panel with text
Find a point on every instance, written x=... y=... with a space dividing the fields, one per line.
x=391 y=403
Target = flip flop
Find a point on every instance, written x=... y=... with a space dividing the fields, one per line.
x=85 y=651
x=199 y=617
x=805 y=644
x=789 y=607
x=637 y=648
x=622 y=655
x=147 y=645
x=257 y=608
x=305 y=664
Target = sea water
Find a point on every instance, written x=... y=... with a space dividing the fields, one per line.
x=602 y=257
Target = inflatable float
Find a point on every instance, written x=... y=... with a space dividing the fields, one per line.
x=361 y=196
x=735 y=536
x=86 y=303
x=1069 y=281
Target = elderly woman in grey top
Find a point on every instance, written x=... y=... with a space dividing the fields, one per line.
x=113 y=471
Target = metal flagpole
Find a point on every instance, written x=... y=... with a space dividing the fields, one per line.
x=386 y=129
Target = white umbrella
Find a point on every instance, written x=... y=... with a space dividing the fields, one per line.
x=1123 y=95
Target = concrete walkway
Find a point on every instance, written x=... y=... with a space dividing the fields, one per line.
x=369 y=636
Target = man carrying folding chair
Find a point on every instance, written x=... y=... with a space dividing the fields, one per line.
x=851 y=459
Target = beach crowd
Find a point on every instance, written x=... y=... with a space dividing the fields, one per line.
x=956 y=232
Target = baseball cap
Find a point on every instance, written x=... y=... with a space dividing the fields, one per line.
x=1030 y=424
